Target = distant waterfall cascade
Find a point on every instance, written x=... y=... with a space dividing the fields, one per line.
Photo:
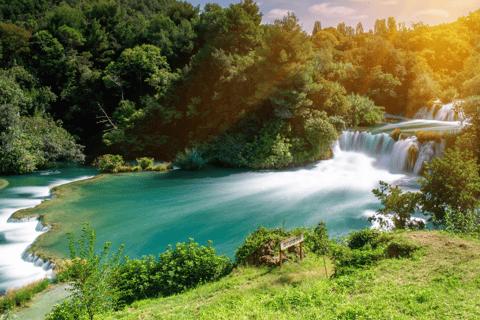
x=403 y=156
x=440 y=112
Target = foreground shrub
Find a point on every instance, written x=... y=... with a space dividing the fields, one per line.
x=91 y=274
x=145 y=162
x=17 y=297
x=109 y=163
x=67 y=310
x=177 y=270
x=190 y=159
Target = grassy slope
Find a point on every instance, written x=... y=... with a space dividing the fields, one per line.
x=442 y=281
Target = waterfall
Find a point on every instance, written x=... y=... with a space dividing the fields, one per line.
x=444 y=112
x=403 y=156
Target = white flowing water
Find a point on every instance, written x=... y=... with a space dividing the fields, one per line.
x=17 y=267
x=218 y=205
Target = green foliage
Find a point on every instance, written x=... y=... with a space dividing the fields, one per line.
x=189 y=265
x=452 y=182
x=191 y=159
x=256 y=239
x=35 y=142
x=109 y=163
x=145 y=162
x=398 y=206
x=92 y=274
x=359 y=239
x=18 y=297
x=466 y=223
x=363 y=112
x=178 y=269
x=67 y=310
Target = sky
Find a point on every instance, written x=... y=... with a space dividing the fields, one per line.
x=331 y=13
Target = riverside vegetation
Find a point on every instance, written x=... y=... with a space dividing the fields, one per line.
x=164 y=79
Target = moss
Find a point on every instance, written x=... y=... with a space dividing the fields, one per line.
x=396 y=134
x=3 y=183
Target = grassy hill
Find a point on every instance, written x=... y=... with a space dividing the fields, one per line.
x=439 y=281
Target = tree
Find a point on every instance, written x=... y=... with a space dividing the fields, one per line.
x=93 y=274
x=359 y=29
x=342 y=28
x=316 y=27
x=380 y=28
x=398 y=206
x=453 y=181
x=142 y=69
x=391 y=25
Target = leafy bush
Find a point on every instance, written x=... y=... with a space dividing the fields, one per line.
x=67 y=310
x=448 y=95
x=400 y=248
x=256 y=239
x=17 y=297
x=109 y=163
x=190 y=159
x=91 y=274
x=138 y=279
x=136 y=168
x=145 y=162
x=364 y=111
x=189 y=265
x=358 y=239
x=232 y=150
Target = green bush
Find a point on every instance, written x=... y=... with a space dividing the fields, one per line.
x=400 y=248
x=358 y=239
x=188 y=265
x=145 y=162
x=109 y=163
x=256 y=239
x=190 y=159
x=364 y=111
x=138 y=279
x=136 y=168
x=67 y=310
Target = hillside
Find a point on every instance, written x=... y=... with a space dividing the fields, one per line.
x=440 y=281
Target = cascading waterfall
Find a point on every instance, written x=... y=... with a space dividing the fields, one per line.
x=444 y=112
x=402 y=156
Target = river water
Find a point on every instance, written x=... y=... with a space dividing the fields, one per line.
x=148 y=211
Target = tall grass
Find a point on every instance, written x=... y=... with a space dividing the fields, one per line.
x=17 y=297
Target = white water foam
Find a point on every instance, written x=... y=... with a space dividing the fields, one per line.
x=17 y=267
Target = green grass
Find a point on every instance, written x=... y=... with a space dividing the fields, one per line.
x=440 y=281
x=3 y=183
x=18 y=297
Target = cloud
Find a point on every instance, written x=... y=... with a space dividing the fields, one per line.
x=331 y=11
x=390 y=2
x=259 y=3
x=362 y=17
x=462 y=3
x=277 y=13
x=433 y=12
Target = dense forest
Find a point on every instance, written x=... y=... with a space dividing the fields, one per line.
x=154 y=77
